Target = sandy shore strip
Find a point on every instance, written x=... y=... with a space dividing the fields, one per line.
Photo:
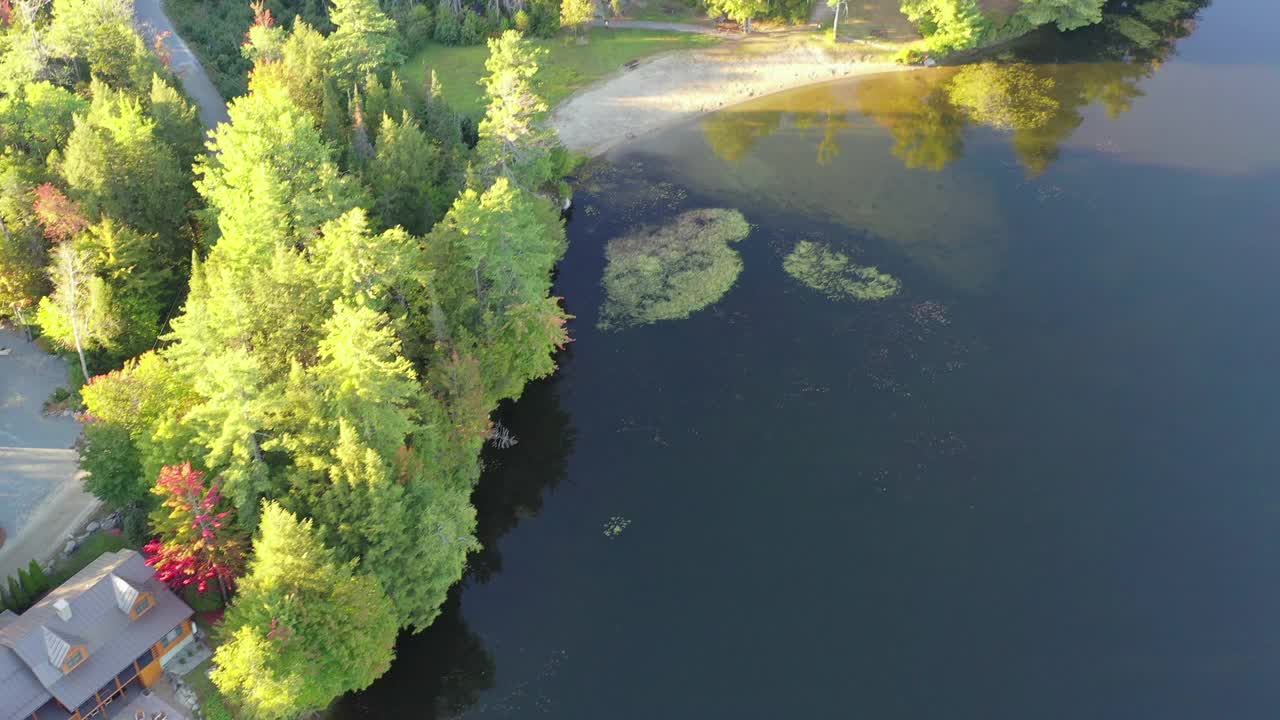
x=60 y=514
x=670 y=88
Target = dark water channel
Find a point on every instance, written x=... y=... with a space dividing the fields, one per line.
x=1039 y=480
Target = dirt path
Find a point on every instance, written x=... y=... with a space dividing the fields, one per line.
x=674 y=87
x=213 y=109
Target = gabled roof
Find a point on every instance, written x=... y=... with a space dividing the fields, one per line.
x=40 y=638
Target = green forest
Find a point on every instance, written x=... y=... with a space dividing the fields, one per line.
x=286 y=337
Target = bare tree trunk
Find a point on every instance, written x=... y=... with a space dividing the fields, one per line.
x=835 y=25
x=73 y=307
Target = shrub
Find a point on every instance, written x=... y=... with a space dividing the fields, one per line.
x=137 y=528
x=544 y=18
x=448 y=28
x=522 y=21
x=419 y=26
x=475 y=27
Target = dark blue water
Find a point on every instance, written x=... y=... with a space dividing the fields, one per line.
x=1038 y=482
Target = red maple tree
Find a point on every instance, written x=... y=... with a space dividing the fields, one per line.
x=198 y=539
x=58 y=214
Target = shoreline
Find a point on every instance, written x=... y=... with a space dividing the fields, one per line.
x=667 y=89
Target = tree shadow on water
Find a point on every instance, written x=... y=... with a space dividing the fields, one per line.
x=443 y=671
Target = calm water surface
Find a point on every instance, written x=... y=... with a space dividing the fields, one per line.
x=1040 y=481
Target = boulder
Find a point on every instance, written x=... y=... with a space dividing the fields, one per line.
x=70 y=548
x=93 y=527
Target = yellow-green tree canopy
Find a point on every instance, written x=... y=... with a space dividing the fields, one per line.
x=305 y=626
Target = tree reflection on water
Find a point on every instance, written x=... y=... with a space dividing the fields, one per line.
x=1038 y=101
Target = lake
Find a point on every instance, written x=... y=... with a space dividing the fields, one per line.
x=977 y=421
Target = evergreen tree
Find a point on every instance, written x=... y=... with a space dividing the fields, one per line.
x=511 y=141
x=406 y=178
x=19 y=595
x=177 y=124
x=505 y=242
x=305 y=627
x=270 y=178
x=38 y=579
x=364 y=40
x=24 y=579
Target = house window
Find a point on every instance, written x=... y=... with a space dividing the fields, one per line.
x=143 y=604
x=145 y=659
x=73 y=658
x=171 y=636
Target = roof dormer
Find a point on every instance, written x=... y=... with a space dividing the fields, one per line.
x=63 y=654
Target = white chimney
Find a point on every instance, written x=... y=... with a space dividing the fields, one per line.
x=64 y=609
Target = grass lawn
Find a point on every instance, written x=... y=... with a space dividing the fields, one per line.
x=566 y=67
x=94 y=547
x=211 y=702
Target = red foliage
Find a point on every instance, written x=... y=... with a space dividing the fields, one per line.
x=6 y=12
x=262 y=17
x=201 y=543
x=161 y=49
x=58 y=214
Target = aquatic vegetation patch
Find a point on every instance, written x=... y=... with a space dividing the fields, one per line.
x=835 y=275
x=671 y=271
x=615 y=525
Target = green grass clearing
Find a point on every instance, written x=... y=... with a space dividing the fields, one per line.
x=94 y=547
x=211 y=701
x=566 y=68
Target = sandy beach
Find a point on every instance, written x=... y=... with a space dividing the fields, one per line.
x=670 y=88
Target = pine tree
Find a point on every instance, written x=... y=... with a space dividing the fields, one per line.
x=364 y=379
x=511 y=141
x=305 y=627
x=19 y=595
x=406 y=178
x=177 y=122
x=39 y=581
x=270 y=177
x=364 y=40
